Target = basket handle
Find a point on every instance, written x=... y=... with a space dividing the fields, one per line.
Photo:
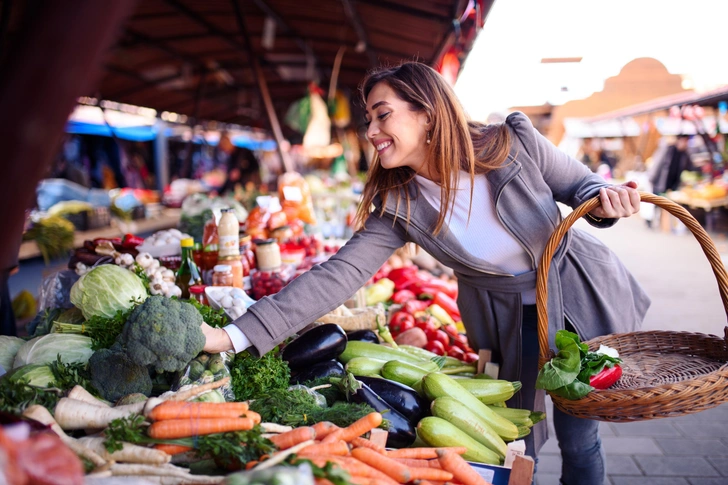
x=553 y=243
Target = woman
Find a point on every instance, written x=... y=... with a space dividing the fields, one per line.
x=481 y=200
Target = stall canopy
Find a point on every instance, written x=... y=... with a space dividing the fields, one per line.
x=197 y=58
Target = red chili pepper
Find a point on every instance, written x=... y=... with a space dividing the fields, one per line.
x=414 y=306
x=403 y=277
x=447 y=304
x=435 y=286
x=606 y=378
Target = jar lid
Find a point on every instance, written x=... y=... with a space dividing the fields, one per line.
x=187 y=242
x=222 y=268
x=263 y=242
x=197 y=289
x=245 y=238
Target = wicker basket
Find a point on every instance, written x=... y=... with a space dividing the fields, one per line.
x=665 y=374
x=362 y=319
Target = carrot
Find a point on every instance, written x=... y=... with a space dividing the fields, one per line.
x=361 y=426
x=416 y=463
x=251 y=464
x=423 y=453
x=324 y=428
x=431 y=474
x=399 y=472
x=339 y=448
x=322 y=481
x=183 y=410
x=291 y=438
x=460 y=469
x=172 y=449
x=252 y=415
x=334 y=436
x=354 y=467
x=184 y=428
x=366 y=481
x=360 y=442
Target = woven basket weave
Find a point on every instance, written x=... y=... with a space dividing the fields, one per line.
x=665 y=373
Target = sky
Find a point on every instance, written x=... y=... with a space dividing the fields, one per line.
x=504 y=67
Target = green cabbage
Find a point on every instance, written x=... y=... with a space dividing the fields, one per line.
x=44 y=350
x=106 y=289
x=8 y=349
x=36 y=375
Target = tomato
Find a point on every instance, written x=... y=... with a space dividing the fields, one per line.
x=427 y=324
x=451 y=330
x=442 y=337
x=461 y=341
x=435 y=347
x=471 y=357
x=400 y=322
x=456 y=352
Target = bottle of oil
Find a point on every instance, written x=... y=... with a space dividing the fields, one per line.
x=188 y=273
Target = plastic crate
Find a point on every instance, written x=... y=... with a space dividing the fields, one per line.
x=99 y=217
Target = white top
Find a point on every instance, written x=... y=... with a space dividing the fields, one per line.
x=484 y=236
x=240 y=341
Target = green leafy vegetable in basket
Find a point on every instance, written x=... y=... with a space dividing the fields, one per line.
x=53 y=235
x=575 y=371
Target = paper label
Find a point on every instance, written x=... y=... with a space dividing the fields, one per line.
x=515 y=448
x=487 y=474
x=293 y=194
x=229 y=245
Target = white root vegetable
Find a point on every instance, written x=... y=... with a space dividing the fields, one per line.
x=144 y=260
x=282 y=455
x=80 y=394
x=136 y=408
x=152 y=267
x=156 y=480
x=74 y=414
x=43 y=416
x=151 y=470
x=130 y=453
x=197 y=390
x=174 y=290
x=275 y=428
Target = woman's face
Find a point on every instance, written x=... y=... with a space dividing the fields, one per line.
x=398 y=133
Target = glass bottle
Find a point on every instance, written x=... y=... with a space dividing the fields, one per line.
x=228 y=234
x=188 y=273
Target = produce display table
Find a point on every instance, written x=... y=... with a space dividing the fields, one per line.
x=699 y=203
x=167 y=219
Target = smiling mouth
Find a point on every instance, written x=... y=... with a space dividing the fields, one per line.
x=383 y=146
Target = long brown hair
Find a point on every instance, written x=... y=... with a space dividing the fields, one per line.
x=457 y=143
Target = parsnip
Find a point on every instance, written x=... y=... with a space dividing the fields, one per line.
x=275 y=428
x=73 y=414
x=130 y=453
x=43 y=416
x=80 y=394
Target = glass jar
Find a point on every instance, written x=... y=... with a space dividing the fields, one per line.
x=236 y=267
x=222 y=275
x=268 y=254
x=282 y=234
x=228 y=233
x=197 y=292
x=246 y=251
x=266 y=283
x=197 y=255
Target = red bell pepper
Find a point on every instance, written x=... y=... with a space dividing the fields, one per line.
x=403 y=296
x=606 y=378
x=404 y=276
x=434 y=286
x=414 y=306
x=447 y=304
x=131 y=241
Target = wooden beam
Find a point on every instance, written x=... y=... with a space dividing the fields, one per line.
x=200 y=19
x=396 y=7
x=355 y=21
x=265 y=94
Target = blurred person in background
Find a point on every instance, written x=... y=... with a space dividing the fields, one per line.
x=668 y=167
x=243 y=169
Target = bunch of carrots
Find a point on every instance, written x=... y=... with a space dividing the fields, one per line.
x=174 y=419
x=371 y=464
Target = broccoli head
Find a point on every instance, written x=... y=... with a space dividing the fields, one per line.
x=115 y=375
x=163 y=334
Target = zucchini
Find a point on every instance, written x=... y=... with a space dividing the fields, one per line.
x=455 y=412
x=439 y=385
x=438 y=433
x=523 y=431
x=355 y=348
x=490 y=392
x=406 y=373
x=537 y=416
x=364 y=366
x=519 y=417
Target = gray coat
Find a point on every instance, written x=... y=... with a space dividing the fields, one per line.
x=587 y=283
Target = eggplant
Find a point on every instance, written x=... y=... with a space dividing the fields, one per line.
x=328 y=368
x=363 y=336
x=321 y=343
x=401 y=432
x=403 y=399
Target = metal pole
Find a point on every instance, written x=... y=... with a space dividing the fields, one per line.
x=161 y=154
x=264 y=93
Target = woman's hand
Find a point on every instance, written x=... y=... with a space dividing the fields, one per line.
x=216 y=339
x=618 y=201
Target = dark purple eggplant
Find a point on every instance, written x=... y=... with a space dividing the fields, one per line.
x=319 y=344
x=402 y=398
x=329 y=368
x=401 y=432
x=363 y=336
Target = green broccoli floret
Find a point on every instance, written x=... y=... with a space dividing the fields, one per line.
x=115 y=375
x=163 y=334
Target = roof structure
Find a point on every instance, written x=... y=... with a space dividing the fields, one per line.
x=197 y=58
